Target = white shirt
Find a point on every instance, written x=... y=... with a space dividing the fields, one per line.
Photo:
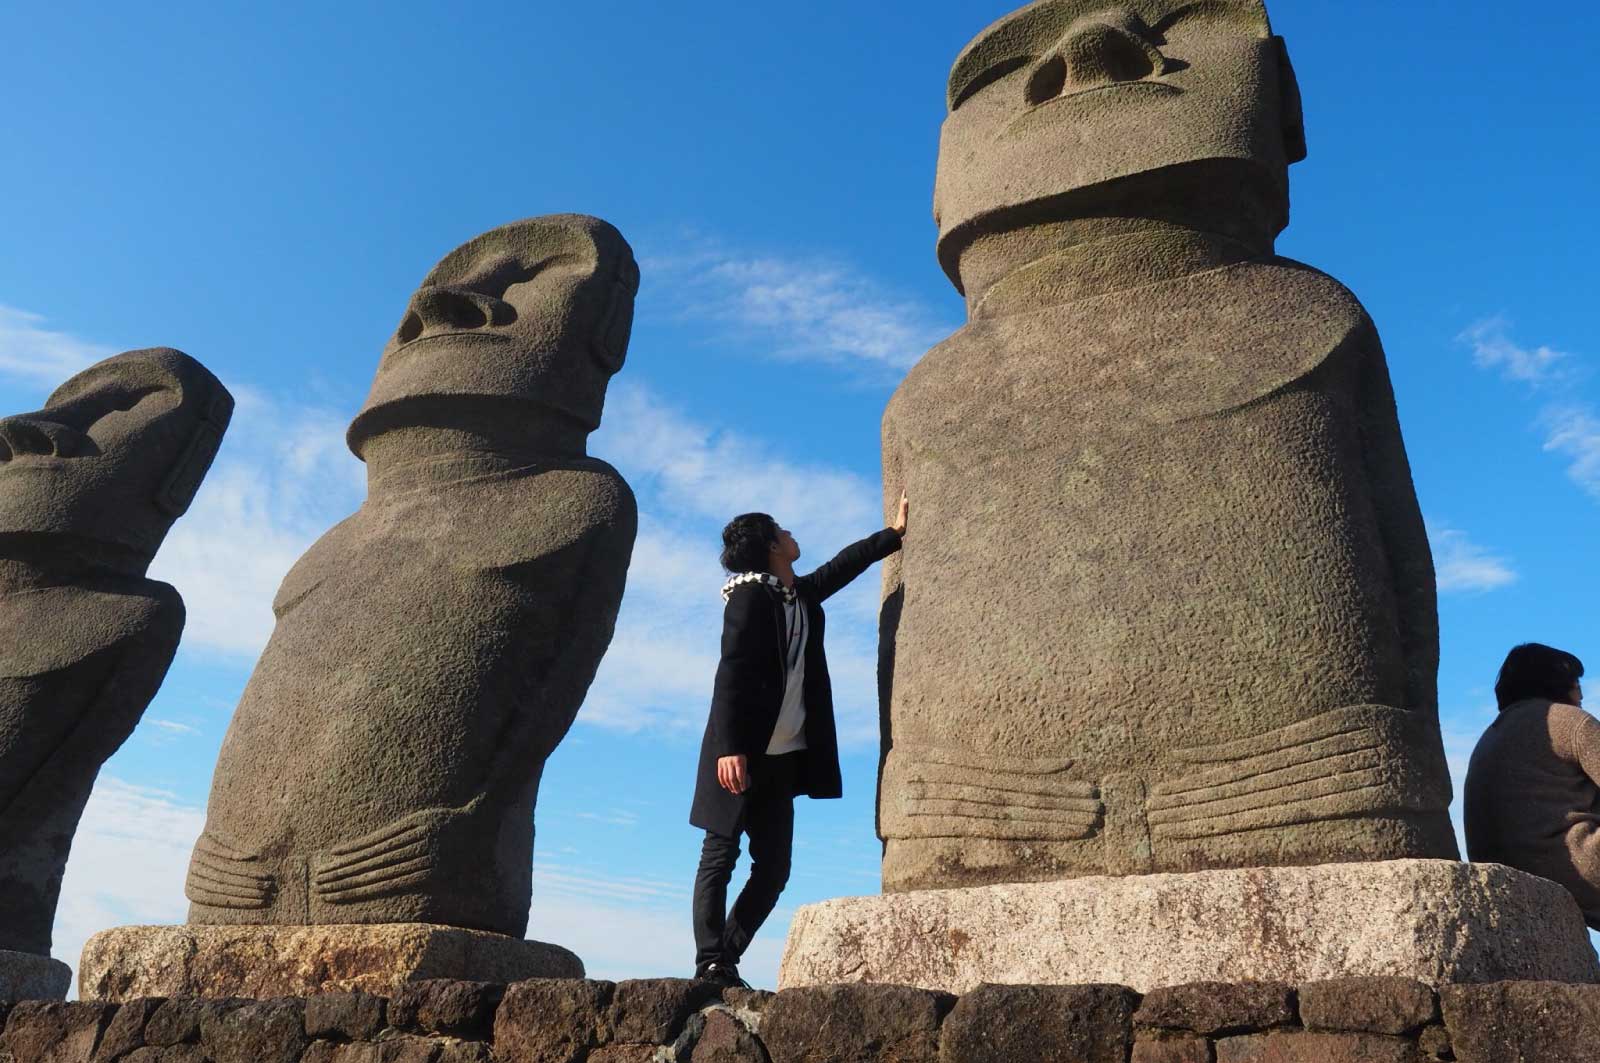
x=790 y=733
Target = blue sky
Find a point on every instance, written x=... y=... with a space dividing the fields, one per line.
x=264 y=187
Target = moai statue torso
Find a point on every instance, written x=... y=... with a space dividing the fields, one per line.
x=89 y=487
x=1180 y=611
x=432 y=650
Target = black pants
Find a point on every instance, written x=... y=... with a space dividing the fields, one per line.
x=768 y=820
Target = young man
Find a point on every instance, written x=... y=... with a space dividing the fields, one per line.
x=771 y=733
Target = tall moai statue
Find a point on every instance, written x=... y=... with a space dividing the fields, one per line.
x=89 y=487
x=1180 y=612
x=432 y=649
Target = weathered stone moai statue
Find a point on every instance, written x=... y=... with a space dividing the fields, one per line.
x=1180 y=611
x=431 y=650
x=89 y=487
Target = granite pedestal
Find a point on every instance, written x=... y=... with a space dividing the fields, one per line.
x=1437 y=921
x=24 y=976
x=282 y=961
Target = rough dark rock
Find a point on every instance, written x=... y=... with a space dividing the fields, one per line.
x=623 y=1053
x=125 y=1033
x=751 y=1000
x=1301 y=1046
x=854 y=1024
x=345 y=1016
x=1368 y=1005
x=1001 y=1023
x=177 y=1021
x=724 y=1039
x=266 y=1031
x=1179 y=1048
x=1547 y=1022
x=652 y=1011
x=1212 y=1008
x=441 y=1006
x=168 y=1054
x=552 y=1020
x=55 y=1031
x=1433 y=1044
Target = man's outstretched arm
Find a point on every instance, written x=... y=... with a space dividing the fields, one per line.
x=856 y=558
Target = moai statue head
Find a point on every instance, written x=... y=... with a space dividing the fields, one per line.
x=116 y=454
x=527 y=321
x=1056 y=103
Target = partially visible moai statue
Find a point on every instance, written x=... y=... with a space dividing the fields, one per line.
x=432 y=649
x=89 y=487
x=1180 y=610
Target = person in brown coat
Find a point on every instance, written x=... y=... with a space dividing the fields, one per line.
x=1533 y=785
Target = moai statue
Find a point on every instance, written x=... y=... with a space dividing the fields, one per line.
x=89 y=487
x=431 y=650
x=1180 y=610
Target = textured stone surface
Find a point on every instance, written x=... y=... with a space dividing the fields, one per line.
x=1522 y=1022
x=432 y=649
x=854 y=1024
x=1369 y=1005
x=653 y=1011
x=347 y=1016
x=1174 y=1049
x=1218 y=1007
x=169 y=1054
x=89 y=487
x=1434 y=921
x=1220 y=648
x=244 y=961
x=178 y=1021
x=441 y=1006
x=724 y=1039
x=268 y=1031
x=54 y=1032
x=125 y=1032
x=26 y=976
x=1300 y=1046
x=550 y=1020
x=1002 y=1023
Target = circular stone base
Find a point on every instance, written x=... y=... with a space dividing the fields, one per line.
x=1437 y=921
x=24 y=976
x=294 y=961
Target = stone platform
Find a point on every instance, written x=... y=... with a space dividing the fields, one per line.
x=1435 y=921
x=291 y=961
x=24 y=976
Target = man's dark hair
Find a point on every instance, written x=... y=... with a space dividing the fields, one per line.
x=747 y=542
x=1533 y=670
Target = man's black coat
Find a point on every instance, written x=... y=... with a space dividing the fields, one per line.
x=750 y=680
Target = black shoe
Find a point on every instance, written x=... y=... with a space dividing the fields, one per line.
x=725 y=975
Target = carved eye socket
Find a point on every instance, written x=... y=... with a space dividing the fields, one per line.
x=988 y=77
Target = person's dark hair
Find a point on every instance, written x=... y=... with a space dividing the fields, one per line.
x=1533 y=670
x=747 y=542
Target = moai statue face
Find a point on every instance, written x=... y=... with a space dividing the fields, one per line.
x=538 y=312
x=117 y=453
x=1063 y=96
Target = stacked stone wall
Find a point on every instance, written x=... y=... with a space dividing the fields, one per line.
x=1354 y=1020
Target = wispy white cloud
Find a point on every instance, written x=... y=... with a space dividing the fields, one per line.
x=691 y=478
x=128 y=862
x=1573 y=431
x=1464 y=566
x=797 y=308
x=1571 y=424
x=283 y=478
x=39 y=355
x=1493 y=348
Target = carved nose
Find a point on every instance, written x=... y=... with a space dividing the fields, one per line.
x=438 y=309
x=26 y=436
x=1100 y=50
